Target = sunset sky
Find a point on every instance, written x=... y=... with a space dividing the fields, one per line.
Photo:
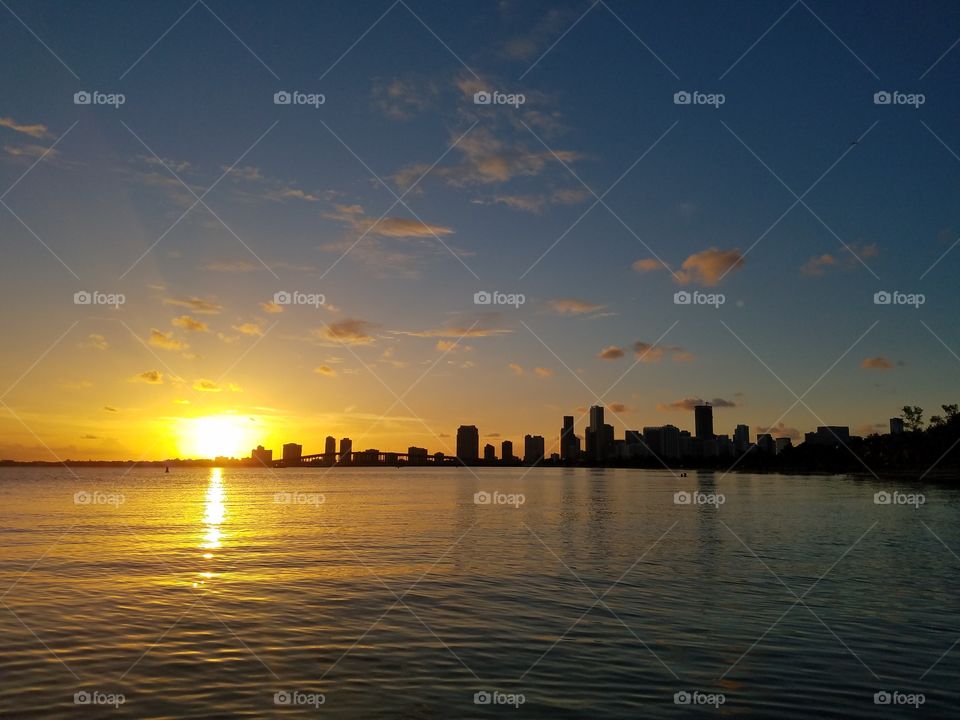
x=491 y=198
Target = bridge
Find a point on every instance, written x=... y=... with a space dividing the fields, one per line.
x=365 y=458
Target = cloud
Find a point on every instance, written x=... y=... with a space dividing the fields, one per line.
x=403 y=99
x=876 y=363
x=325 y=370
x=689 y=403
x=611 y=352
x=618 y=407
x=109 y=408
x=249 y=329
x=780 y=430
x=544 y=372
x=198 y=305
x=271 y=308
x=647 y=265
x=188 y=323
x=36 y=130
x=165 y=340
x=455 y=331
x=536 y=203
x=517 y=369
x=349 y=331
x=30 y=151
x=232 y=266
x=96 y=341
x=151 y=377
x=850 y=258
x=204 y=385
x=645 y=352
x=709 y=266
x=573 y=306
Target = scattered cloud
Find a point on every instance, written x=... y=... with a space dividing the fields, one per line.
x=819 y=264
x=516 y=369
x=110 y=408
x=611 y=352
x=647 y=265
x=204 y=385
x=709 y=266
x=198 y=305
x=35 y=130
x=271 y=308
x=847 y=258
x=404 y=98
x=645 y=352
x=544 y=372
x=689 y=403
x=188 y=323
x=232 y=266
x=781 y=430
x=96 y=341
x=573 y=306
x=151 y=377
x=325 y=370
x=165 y=340
x=535 y=203
x=249 y=328
x=876 y=363
x=349 y=331
x=618 y=407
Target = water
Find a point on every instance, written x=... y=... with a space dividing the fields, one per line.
x=391 y=593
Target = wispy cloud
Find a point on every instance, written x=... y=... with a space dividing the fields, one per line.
x=198 y=305
x=689 y=403
x=35 y=130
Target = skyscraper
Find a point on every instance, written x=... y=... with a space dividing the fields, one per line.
x=330 y=446
x=489 y=453
x=506 y=451
x=569 y=443
x=596 y=437
x=533 y=449
x=346 y=447
x=703 y=421
x=468 y=443
x=741 y=439
x=292 y=452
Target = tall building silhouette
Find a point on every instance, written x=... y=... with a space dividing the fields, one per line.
x=506 y=451
x=292 y=452
x=741 y=439
x=703 y=421
x=346 y=447
x=489 y=453
x=330 y=446
x=596 y=437
x=468 y=443
x=262 y=455
x=533 y=449
x=569 y=442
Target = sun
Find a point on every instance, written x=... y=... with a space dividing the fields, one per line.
x=216 y=436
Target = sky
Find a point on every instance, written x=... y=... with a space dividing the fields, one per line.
x=781 y=198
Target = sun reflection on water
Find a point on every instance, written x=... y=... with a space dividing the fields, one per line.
x=215 y=512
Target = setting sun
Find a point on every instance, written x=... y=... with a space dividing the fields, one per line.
x=216 y=436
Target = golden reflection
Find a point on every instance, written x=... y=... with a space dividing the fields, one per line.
x=215 y=512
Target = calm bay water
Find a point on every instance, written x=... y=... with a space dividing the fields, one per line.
x=394 y=593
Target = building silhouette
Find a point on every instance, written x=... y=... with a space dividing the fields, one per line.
x=741 y=439
x=417 y=455
x=489 y=453
x=533 y=449
x=595 y=435
x=896 y=426
x=506 y=451
x=569 y=442
x=292 y=452
x=703 y=421
x=468 y=443
x=262 y=455
x=330 y=446
x=346 y=448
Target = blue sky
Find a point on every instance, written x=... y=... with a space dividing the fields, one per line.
x=709 y=186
